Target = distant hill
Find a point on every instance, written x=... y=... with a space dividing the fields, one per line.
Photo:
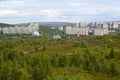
x=22 y=24
x=54 y=24
x=49 y=24
x=5 y=25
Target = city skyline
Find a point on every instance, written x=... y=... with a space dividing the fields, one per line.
x=22 y=11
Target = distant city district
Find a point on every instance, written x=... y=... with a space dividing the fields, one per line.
x=93 y=28
x=83 y=28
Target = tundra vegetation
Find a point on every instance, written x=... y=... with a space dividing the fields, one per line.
x=40 y=58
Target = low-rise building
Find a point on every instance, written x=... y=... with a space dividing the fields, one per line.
x=56 y=37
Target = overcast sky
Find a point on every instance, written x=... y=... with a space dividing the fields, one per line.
x=22 y=11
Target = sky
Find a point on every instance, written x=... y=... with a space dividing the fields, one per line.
x=23 y=11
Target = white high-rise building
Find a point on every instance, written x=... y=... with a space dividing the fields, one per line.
x=100 y=31
x=73 y=30
x=83 y=24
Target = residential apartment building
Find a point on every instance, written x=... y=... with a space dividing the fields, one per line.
x=73 y=30
x=94 y=28
x=20 y=29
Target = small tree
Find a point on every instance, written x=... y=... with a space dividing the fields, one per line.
x=55 y=60
x=112 y=53
x=42 y=69
x=84 y=44
x=63 y=61
x=76 y=60
x=114 y=68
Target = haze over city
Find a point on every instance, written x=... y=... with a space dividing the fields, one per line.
x=22 y=11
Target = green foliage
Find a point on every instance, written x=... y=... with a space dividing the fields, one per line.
x=63 y=61
x=33 y=58
x=55 y=60
x=48 y=32
x=82 y=44
x=42 y=69
x=115 y=68
x=112 y=53
x=104 y=66
x=77 y=60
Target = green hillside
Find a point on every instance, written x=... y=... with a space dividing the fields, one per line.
x=49 y=24
x=47 y=32
x=5 y=25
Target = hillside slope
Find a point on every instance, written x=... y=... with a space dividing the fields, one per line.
x=5 y=25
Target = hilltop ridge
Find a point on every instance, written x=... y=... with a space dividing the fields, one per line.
x=5 y=25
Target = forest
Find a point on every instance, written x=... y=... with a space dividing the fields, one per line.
x=73 y=58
